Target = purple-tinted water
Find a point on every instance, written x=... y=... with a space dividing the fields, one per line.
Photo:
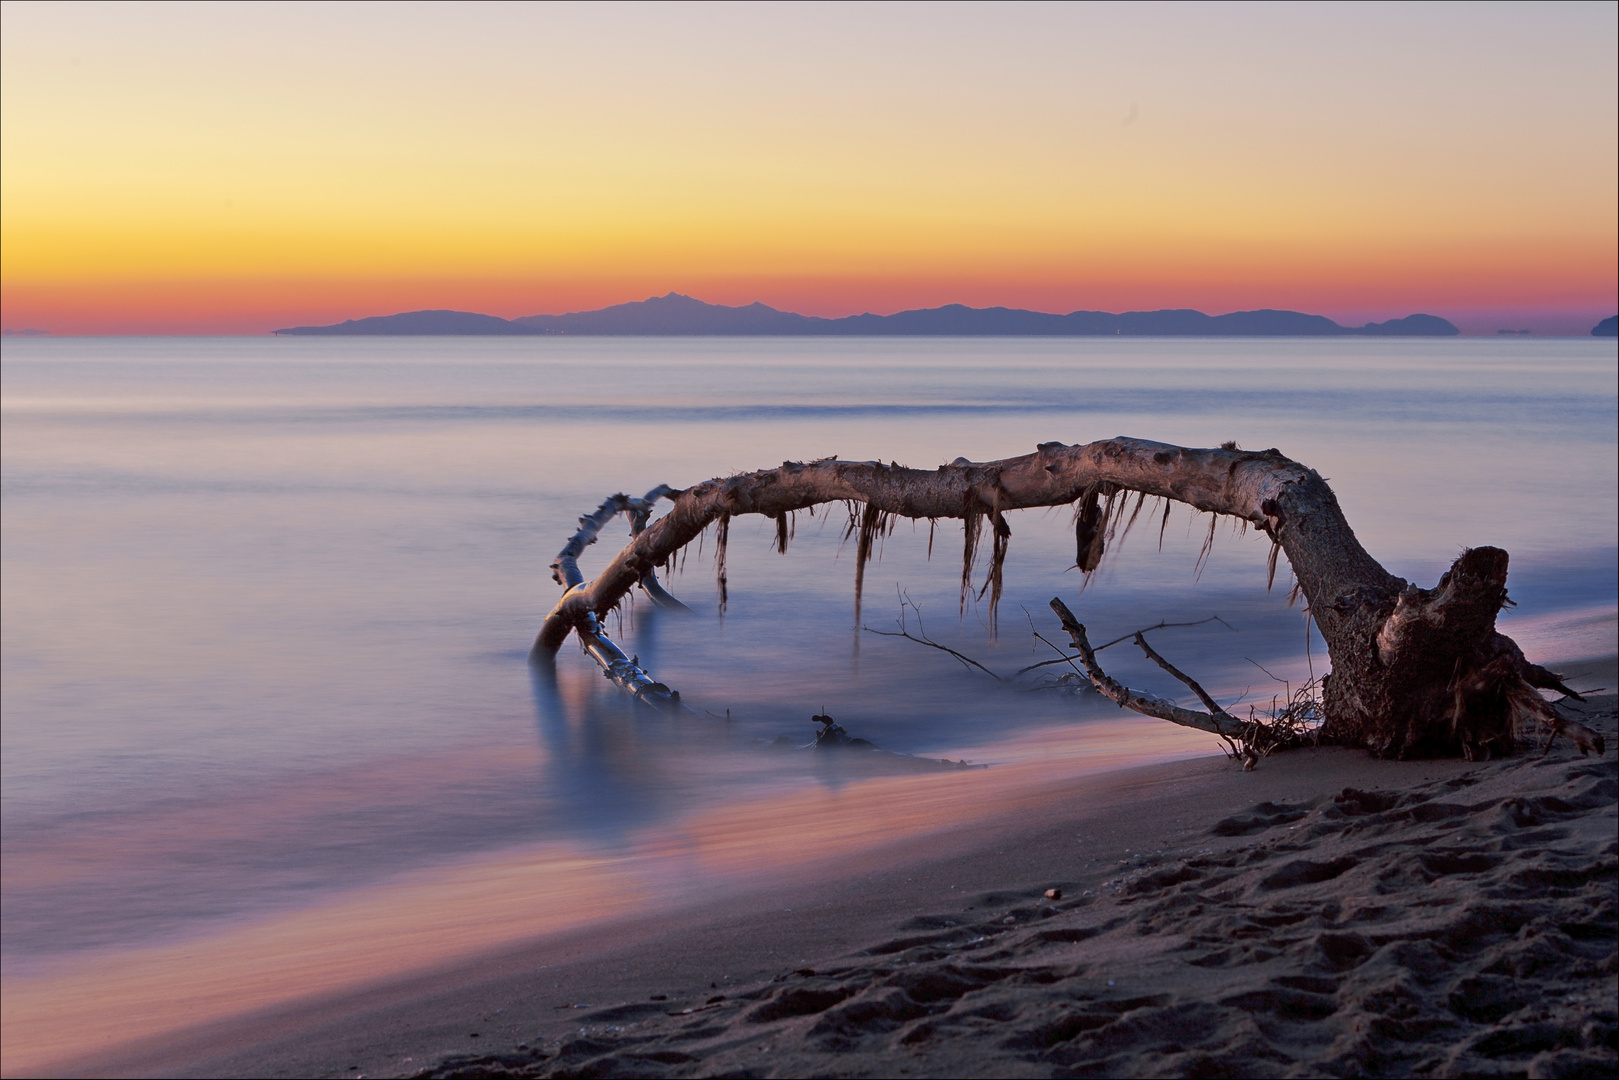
x=267 y=602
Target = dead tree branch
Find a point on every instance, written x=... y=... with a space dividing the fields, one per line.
x=1218 y=722
x=1191 y=683
x=565 y=567
x=1414 y=671
x=1231 y=482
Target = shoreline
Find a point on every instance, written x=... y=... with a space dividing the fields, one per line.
x=600 y=999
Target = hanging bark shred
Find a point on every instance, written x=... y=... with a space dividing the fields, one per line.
x=1414 y=671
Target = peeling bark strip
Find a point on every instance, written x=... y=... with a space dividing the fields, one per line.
x=1414 y=671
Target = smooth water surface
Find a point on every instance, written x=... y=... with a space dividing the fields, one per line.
x=267 y=602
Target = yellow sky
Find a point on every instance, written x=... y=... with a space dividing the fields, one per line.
x=246 y=166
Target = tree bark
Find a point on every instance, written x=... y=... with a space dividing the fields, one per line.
x=1414 y=671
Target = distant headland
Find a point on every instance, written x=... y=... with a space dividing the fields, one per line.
x=675 y=314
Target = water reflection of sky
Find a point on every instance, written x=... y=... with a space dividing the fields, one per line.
x=267 y=603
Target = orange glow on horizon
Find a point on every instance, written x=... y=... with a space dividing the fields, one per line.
x=1571 y=288
x=234 y=169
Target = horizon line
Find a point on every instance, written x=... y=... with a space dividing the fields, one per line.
x=1509 y=315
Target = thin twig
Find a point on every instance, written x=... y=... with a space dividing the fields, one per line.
x=1069 y=660
x=1266 y=670
x=905 y=602
x=1202 y=694
x=1165 y=626
x=935 y=645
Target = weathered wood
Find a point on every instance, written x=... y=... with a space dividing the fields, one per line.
x=1231 y=482
x=565 y=567
x=625 y=672
x=1414 y=671
x=1217 y=721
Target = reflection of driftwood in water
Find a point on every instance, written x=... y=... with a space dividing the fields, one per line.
x=1414 y=671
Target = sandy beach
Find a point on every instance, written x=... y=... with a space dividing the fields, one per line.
x=1327 y=914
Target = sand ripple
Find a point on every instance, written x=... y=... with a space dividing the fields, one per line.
x=1464 y=927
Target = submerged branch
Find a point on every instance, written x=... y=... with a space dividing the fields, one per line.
x=625 y=673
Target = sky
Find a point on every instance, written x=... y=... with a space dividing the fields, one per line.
x=211 y=168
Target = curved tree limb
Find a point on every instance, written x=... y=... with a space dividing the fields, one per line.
x=1265 y=489
x=625 y=672
x=565 y=567
x=1414 y=671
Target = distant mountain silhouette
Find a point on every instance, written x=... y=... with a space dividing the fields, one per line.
x=1608 y=327
x=675 y=314
x=417 y=322
x=1410 y=326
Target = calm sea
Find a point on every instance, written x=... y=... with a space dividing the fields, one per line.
x=267 y=602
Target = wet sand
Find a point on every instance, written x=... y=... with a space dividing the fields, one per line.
x=1326 y=914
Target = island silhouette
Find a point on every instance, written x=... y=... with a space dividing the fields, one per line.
x=675 y=315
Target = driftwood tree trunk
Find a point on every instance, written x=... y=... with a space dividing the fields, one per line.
x=1414 y=671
